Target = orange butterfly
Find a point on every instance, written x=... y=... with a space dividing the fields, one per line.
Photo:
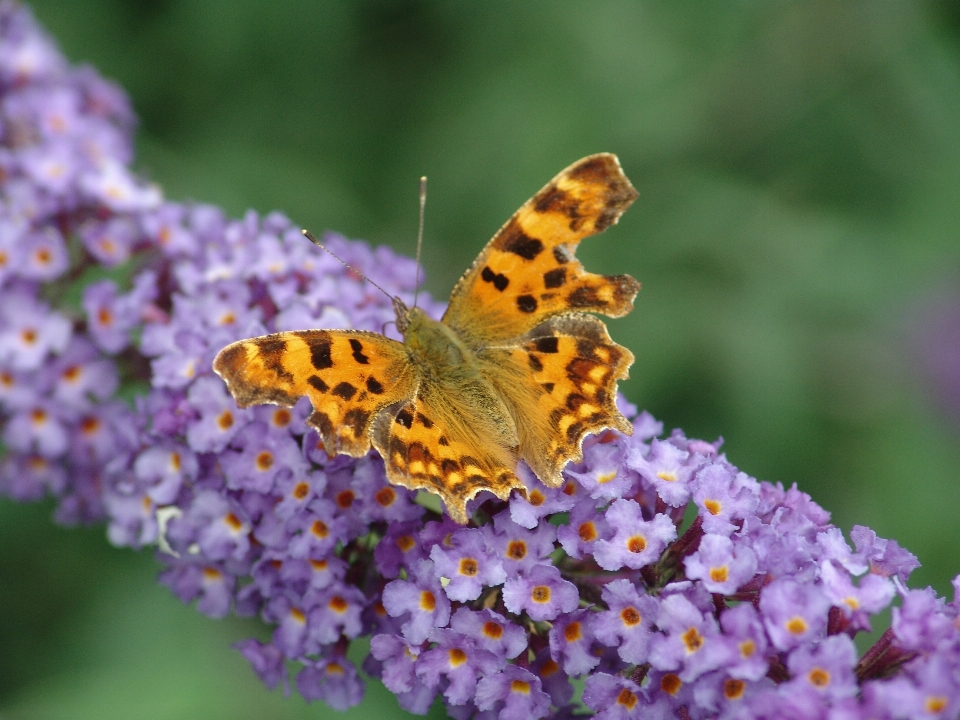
x=516 y=369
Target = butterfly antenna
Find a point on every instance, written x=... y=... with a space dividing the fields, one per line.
x=423 y=203
x=311 y=238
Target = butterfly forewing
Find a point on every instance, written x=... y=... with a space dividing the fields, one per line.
x=349 y=377
x=528 y=272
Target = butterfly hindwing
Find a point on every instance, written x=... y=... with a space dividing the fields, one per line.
x=561 y=382
x=528 y=272
x=442 y=442
x=349 y=377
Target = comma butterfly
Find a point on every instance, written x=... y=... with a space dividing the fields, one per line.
x=516 y=369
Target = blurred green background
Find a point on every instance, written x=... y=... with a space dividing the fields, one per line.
x=799 y=173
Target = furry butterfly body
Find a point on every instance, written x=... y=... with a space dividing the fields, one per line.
x=516 y=369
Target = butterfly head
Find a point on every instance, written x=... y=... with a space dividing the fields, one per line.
x=403 y=315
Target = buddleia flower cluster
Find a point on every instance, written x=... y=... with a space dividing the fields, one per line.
x=663 y=580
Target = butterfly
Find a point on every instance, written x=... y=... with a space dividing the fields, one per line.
x=516 y=369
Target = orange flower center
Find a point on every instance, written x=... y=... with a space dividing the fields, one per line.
x=457 y=657
x=587 y=531
x=385 y=497
x=627 y=698
x=572 y=632
x=637 y=544
x=692 y=639
x=670 y=684
x=719 y=574
x=517 y=550
x=540 y=594
x=819 y=677
x=796 y=625
x=338 y=604
x=264 y=460
x=492 y=630
x=733 y=689
x=519 y=686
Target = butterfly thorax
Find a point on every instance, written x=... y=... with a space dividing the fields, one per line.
x=433 y=346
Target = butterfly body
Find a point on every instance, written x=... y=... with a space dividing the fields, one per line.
x=516 y=369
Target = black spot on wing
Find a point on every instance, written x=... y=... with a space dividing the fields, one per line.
x=550 y=198
x=547 y=344
x=358 y=355
x=272 y=351
x=548 y=387
x=374 y=386
x=230 y=359
x=449 y=466
x=575 y=431
x=519 y=243
x=443 y=441
x=344 y=390
x=555 y=278
x=405 y=418
x=499 y=280
x=535 y=364
x=320 y=354
x=321 y=421
x=561 y=255
x=316 y=383
x=424 y=420
x=357 y=418
x=526 y=303
x=585 y=296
